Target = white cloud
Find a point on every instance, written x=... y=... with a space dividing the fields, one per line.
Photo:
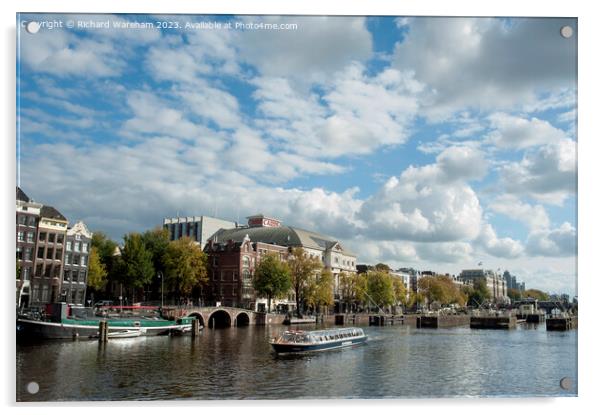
x=498 y=247
x=428 y=203
x=553 y=242
x=519 y=133
x=547 y=173
x=485 y=63
x=320 y=46
x=534 y=216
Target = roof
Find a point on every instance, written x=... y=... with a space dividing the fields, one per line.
x=21 y=195
x=51 y=213
x=283 y=235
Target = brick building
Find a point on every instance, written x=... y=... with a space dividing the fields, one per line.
x=27 y=215
x=231 y=268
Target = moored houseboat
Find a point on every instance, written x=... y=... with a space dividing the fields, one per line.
x=299 y=341
x=64 y=322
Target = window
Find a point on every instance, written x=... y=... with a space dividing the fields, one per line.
x=245 y=261
x=68 y=248
x=39 y=270
x=45 y=294
x=84 y=247
x=82 y=277
x=51 y=237
x=78 y=237
x=32 y=221
x=42 y=236
x=246 y=275
x=19 y=253
x=59 y=254
x=59 y=238
x=49 y=253
x=41 y=252
x=20 y=236
x=26 y=273
x=214 y=276
x=35 y=293
x=67 y=275
x=73 y=296
x=76 y=245
x=75 y=260
x=29 y=236
x=67 y=258
x=21 y=219
x=27 y=254
x=48 y=271
x=56 y=271
x=221 y=276
x=83 y=261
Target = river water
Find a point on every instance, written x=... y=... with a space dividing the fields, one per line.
x=236 y=363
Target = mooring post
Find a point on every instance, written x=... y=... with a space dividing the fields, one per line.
x=103 y=329
x=195 y=327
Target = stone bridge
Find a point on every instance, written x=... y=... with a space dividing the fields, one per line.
x=218 y=317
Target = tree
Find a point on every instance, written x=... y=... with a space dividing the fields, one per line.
x=514 y=294
x=156 y=242
x=348 y=289
x=272 y=278
x=106 y=255
x=479 y=293
x=382 y=267
x=185 y=266
x=136 y=266
x=97 y=272
x=399 y=291
x=302 y=267
x=441 y=289
x=537 y=294
x=380 y=288
x=319 y=291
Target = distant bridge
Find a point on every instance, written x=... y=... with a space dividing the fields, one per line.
x=218 y=317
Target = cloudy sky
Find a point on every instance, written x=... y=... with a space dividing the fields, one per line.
x=436 y=143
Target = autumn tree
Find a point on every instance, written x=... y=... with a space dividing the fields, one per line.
x=319 y=290
x=348 y=289
x=479 y=293
x=303 y=268
x=185 y=266
x=97 y=272
x=441 y=289
x=399 y=291
x=537 y=294
x=272 y=278
x=514 y=294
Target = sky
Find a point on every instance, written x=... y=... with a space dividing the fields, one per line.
x=434 y=143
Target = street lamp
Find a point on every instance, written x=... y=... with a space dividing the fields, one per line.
x=160 y=275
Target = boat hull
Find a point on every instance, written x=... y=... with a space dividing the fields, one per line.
x=33 y=329
x=282 y=348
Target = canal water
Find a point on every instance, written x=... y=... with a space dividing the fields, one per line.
x=237 y=363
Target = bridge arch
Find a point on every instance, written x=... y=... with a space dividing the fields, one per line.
x=219 y=319
x=199 y=317
x=242 y=319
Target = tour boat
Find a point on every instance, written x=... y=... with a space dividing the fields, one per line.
x=299 y=341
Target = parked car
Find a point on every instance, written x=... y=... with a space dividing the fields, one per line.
x=103 y=303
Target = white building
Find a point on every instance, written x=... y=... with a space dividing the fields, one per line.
x=199 y=228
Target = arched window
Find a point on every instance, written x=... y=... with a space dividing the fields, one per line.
x=245 y=261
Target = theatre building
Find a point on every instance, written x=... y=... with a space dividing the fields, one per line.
x=245 y=245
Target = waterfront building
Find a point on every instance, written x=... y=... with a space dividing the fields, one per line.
x=49 y=250
x=75 y=272
x=231 y=268
x=199 y=228
x=495 y=283
x=27 y=216
x=270 y=231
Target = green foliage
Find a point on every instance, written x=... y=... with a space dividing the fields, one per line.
x=441 y=289
x=136 y=266
x=514 y=294
x=104 y=246
x=479 y=293
x=156 y=242
x=185 y=266
x=399 y=291
x=382 y=267
x=97 y=272
x=380 y=288
x=272 y=278
x=303 y=267
x=319 y=291
x=537 y=294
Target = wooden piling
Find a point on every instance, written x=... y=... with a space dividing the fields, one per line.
x=196 y=324
x=103 y=331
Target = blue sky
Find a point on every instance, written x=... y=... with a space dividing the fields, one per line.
x=436 y=143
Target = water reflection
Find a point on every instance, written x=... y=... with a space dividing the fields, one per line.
x=235 y=363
